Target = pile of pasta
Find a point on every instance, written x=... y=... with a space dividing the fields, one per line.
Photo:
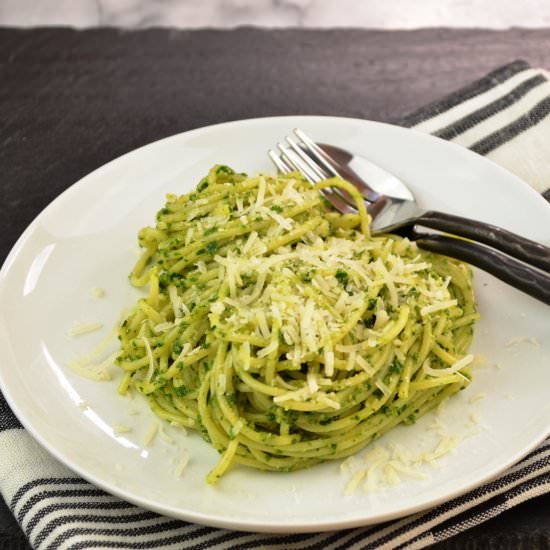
x=282 y=331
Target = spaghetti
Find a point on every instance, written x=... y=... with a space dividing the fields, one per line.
x=284 y=332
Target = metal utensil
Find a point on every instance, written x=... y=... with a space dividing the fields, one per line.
x=393 y=208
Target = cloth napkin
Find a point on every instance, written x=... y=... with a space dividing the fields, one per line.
x=503 y=116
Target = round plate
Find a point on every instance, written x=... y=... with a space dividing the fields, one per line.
x=87 y=238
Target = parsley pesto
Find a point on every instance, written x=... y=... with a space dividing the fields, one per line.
x=283 y=332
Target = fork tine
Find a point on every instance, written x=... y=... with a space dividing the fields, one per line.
x=337 y=201
x=346 y=172
x=316 y=152
x=317 y=155
x=290 y=157
x=333 y=195
x=285 y=167
x=340 y=199
x=306 y=158
x=281 y=165
x=319 y=158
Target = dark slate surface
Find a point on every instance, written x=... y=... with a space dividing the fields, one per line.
x=71 y=101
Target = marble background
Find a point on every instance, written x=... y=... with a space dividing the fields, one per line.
x=403 y=14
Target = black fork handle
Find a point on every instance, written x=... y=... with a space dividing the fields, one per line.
x=514 y=245
x=507 y=269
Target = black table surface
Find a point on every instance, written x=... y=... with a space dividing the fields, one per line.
x=72 y=100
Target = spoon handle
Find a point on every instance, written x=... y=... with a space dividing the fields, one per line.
x=507 y=269
x=512 y=244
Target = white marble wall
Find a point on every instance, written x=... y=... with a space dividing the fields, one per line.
x=277 y=13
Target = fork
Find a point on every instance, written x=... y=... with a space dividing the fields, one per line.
x=392 y=207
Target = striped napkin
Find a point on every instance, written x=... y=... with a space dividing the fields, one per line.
x=502 y=116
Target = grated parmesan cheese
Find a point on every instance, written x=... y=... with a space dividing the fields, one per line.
x=151 y=369
x=312 y=382
x=432 y=308
x=297 y=395
x=94 y=371
x=237 y=427
x=460 y=364
x=175 y=300
x=474 y=418
x=351 y=360
x=84 y=328
x=182 y=464
x=522 y=340
x=407 y=470
x=354 y=482
x=222 y=383
x=261 y=192
x=329 y=363
x=252 y=238
x=382 y=387
x=363 y=363
x=121 y=429
x=477 y=397
x=386 y=465
x=151 y=433
x=163 y=435
x=284 y=223
x=264 y=352
x=162 y=327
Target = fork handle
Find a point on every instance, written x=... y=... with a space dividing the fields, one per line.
x=507 y=269
x=512 y=244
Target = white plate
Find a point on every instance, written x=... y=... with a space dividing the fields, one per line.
x=84 y=239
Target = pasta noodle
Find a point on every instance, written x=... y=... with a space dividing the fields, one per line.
x=283 y=332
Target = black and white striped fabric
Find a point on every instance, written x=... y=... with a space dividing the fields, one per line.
x=503 y=116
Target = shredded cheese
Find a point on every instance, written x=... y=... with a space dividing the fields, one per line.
x=151 y=433
x=151 y=369
x=522 y=340
x=119 y=429
x=84 y=328
x=432 y=308
x=182 y=464
x=460 y=364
